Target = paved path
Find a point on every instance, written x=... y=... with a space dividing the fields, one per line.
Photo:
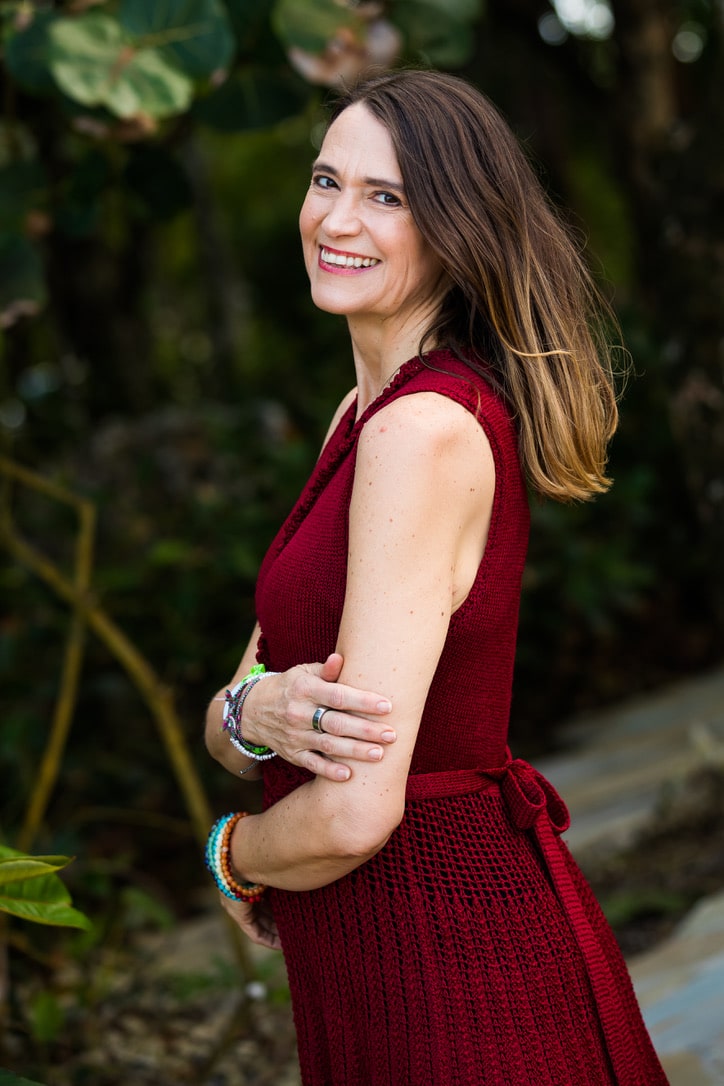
x=612 y=776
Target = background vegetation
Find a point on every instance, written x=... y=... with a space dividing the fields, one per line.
x=166 y=379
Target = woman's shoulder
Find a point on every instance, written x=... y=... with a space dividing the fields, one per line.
x=428 y=430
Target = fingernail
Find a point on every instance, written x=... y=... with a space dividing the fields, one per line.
x=384 y=706
x=342 y=774
x=374 y=754
x=388 y=737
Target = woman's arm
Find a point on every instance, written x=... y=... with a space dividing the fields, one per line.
x=419 y=514
x=280 y=715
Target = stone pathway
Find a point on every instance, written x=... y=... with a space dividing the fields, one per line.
x=618 y=767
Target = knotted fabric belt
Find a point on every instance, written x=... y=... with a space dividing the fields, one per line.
x=534 y=805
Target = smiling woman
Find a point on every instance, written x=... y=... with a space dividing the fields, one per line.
x=435 y=928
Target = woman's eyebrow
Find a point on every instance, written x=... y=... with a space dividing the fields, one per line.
x=375 y=182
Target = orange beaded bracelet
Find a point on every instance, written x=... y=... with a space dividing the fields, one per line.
x=218 y=861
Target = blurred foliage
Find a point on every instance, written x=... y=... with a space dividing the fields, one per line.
x=31 y=890
x=160 y=357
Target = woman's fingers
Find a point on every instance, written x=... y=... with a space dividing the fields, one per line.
x=335 y=723
x=334 y=765
x=337 y=695
x=255 y=921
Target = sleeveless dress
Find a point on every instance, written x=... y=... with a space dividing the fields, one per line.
x=470 y=949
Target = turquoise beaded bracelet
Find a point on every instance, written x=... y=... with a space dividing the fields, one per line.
x=218 y=862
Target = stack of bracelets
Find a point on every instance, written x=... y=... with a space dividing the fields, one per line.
x=231 y=718
x=218 y=861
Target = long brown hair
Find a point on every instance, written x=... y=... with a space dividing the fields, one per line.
x=521 y=297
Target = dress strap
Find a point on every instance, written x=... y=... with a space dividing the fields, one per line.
x=533 y=805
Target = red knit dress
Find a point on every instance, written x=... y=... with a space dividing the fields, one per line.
x=470 y=949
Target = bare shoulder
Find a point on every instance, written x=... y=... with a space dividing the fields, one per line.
x=425 y=428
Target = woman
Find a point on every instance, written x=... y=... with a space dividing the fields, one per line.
x=435 y=928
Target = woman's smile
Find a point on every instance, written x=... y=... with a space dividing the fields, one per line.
x=335 y=261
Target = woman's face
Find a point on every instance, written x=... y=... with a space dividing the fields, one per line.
x=364 y=254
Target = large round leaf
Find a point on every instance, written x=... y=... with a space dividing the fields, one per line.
x=195 y=35
x=252 y=98
x=311 y=24
x=94 y=62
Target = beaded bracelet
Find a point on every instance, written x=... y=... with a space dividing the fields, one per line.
x=231 y=718
x=218 y=862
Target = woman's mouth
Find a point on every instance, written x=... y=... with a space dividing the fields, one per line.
x=348 y=261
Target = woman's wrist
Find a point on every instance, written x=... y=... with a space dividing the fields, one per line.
x=232 y=723
x=217 y=855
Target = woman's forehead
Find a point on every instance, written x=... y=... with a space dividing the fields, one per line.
x=358 y=143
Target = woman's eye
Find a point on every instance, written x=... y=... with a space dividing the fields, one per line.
x=321 y=181
x=388 y=199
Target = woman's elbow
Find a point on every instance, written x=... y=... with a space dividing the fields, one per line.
x=359 y=833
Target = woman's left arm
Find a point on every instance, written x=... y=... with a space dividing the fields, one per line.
x=419 y=514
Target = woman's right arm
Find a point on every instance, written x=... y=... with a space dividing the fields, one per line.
x=278 y=714
x=278 y=711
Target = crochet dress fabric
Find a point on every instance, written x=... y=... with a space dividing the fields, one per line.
x=470 y=949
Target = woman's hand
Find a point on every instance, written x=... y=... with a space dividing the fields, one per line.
x=279 y=712
x=255 y=920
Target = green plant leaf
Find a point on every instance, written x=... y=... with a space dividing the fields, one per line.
x=94 y=62
x=22 y=279
x=17 y=869
x=253 y=98
x=52 y=913
x=27 y=54
x=311 y=24
x=34 y=892
x=194 y=35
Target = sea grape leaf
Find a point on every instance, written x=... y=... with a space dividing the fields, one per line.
x=194 y=35
x=95 y=62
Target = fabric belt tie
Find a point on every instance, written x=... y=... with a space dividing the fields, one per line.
x=533 y=805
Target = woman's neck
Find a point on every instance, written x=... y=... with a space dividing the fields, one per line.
x=379 y=350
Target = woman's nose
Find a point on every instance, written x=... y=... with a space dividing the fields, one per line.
x=343 y=216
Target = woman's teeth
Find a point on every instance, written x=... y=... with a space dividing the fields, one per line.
x=343 y=261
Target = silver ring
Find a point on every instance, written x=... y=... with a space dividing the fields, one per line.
x=317 y=718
